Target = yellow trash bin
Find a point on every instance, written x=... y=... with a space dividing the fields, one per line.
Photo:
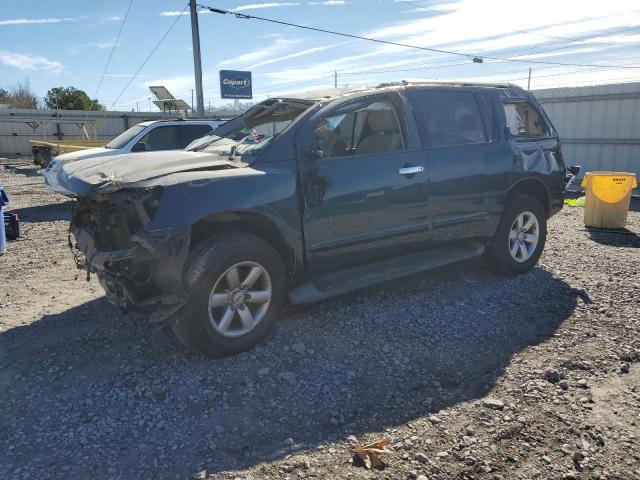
x=607 y=198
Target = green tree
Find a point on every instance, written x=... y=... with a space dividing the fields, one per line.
x=70 y=98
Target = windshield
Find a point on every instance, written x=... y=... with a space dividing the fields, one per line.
x=243 y=142
x=251 y=133
x=125 y=137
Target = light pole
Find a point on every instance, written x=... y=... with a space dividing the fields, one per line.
x=195 y=37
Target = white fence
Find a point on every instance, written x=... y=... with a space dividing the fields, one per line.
x=599 y=126
x=19 y=125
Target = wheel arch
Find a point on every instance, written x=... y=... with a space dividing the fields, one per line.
x=533 y=187
x=246 y=222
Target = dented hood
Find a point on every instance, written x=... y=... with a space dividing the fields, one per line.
x=103 y=175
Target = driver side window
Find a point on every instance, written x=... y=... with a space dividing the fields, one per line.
x=363 y=128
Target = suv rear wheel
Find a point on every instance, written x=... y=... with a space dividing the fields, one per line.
x=238 y=286
x=520 y=237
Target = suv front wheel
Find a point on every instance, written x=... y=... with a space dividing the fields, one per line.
x=237 y=284
x=520 y=237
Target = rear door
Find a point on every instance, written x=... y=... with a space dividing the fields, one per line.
x=467 y=161
x=362 y=183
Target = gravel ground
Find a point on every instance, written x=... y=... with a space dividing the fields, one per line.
x=470 y=375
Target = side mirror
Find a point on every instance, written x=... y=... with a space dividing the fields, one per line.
x=574 y=169
x=313 y=151
x=571 y=172
x=139 y=147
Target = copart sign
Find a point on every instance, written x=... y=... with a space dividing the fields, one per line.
x=235 y=84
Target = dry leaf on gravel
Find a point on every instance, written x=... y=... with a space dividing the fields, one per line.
x=369 y=453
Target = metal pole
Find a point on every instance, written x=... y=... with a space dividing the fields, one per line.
x=529 y=81
x=195 y=37
x=192 y=99
x=335 y=79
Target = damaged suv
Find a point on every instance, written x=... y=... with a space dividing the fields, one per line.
x=301 y=200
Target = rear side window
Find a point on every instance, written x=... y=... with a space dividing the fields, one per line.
x=489 y=116
x=524 y=120
x=188 y=133
x=448 y=118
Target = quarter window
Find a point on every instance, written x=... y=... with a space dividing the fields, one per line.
x=448 y=118
x=524 y=120
x=360 y=128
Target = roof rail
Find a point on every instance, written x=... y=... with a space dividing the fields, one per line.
x=457 y=84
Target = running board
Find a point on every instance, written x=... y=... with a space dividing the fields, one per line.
x=382 y=271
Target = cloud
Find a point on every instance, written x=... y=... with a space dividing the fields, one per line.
x=454 y=25
x=37 y=21
x=278 y=47
x=290 y=56
x=114 y=18
x=175 y=13
x=25 y=61
x=255 y=6
x=102 y=45
x=123 y=75
x=109 y=44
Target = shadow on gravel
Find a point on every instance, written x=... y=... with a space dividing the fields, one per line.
x=90 y=393
x=45 y=213
x=615 y=238
x=28 y=171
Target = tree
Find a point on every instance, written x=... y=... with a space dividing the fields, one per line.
x=70 y=98
x=20 y=96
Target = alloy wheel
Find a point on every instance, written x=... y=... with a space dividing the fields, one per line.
x=523 y=236
x=240 y=299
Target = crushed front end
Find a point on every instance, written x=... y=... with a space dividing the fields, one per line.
x=138 y=268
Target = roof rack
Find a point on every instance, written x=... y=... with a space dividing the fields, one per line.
x=457 y=84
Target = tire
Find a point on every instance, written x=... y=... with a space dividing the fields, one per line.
x=203 y=323
x=499 y=253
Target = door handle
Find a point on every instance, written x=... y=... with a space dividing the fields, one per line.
x=410 y=170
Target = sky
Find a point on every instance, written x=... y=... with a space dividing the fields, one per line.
x=68 y=43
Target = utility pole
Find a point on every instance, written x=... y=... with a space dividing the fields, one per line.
x=529 y=81
x=195 y=37
x=335 y=79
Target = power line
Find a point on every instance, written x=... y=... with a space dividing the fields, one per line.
x=113 y=49
x=431 y=67
x=476 y=58
x=321 y=30
x=153 y=50
x=553 y=37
